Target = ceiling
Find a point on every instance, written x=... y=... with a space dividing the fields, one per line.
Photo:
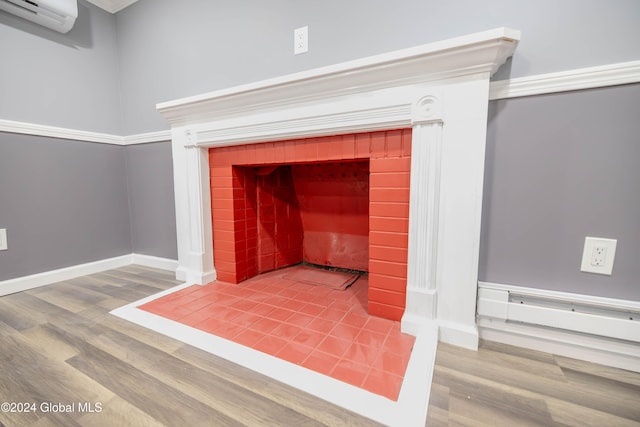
x=112 y=6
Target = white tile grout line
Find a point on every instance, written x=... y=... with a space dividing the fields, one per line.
x=409 y=410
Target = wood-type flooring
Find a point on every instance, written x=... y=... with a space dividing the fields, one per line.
x=65 y=361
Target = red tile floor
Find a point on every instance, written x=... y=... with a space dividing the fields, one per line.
x=325 y=330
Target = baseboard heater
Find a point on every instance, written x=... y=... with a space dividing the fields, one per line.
x=603 y=317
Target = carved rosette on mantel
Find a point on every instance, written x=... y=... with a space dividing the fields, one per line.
x=440 y=90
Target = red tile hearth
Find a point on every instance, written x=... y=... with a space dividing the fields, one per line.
x=319 y=328
x=341 y=201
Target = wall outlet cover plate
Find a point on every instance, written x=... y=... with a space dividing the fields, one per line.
x=301 y=40
x=598 y=255
x=3 y=239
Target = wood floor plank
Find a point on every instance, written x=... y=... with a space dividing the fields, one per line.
x=322 y=411
x=226 y=397
x=161 y=342
x=626 y=393
x=42 y=339
x=167 y=405
x=530 y=381
x=471 y=411
x=156 y=283
x=499 y=402
x=119 y=412
x=620 y=375
x=437 y=417
x=126 y=289
x=572 y=414
x=520 y=353
x=33 y=377
x=41 y=310
x=16 y=316
x=504 y=361
x=5 y=329
x=562 y=405
x=64 y=300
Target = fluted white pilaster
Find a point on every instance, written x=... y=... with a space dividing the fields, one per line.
x=193 y=210
x=424 y=212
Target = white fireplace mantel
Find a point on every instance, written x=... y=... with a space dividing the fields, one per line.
x=441 y=90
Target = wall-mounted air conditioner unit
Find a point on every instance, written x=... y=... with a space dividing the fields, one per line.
x=59 y=15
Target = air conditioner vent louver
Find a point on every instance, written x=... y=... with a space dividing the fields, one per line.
x=58 y=15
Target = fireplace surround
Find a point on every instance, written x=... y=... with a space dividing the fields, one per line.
x=335 y=201
x=438 y=92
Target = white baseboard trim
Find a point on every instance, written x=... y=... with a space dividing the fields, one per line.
x=195 y=277
x=596 y=329
x=617 y=354
x=565 y=81
x=154 y=262
x=12 y=126
x=48 y=277
x=459 y=334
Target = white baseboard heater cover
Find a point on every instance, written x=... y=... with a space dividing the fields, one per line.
x=589 y=315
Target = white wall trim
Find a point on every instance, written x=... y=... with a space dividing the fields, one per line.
x=26 y=128
x=565 y=81
x=154 y=262
x=144 y=138
x=12 y=126
x=48 y=277
x=597 y=329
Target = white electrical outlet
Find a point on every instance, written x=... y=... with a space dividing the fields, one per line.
x=598 y=255
x=300 y=40
x=3 y=239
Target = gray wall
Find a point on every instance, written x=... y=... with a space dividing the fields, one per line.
x=151 y=199
x=62 y=202
x=170 y=49
x=68 y=80
x=561 y=167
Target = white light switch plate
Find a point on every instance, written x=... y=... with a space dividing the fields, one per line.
x=3 y=239
x=598 y=255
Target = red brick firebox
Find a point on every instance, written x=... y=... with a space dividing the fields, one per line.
x=260 y=223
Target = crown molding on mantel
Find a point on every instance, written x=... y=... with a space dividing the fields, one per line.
x=112 y=6
x=565 y=81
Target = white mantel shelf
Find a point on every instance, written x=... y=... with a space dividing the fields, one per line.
x=469 y=54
